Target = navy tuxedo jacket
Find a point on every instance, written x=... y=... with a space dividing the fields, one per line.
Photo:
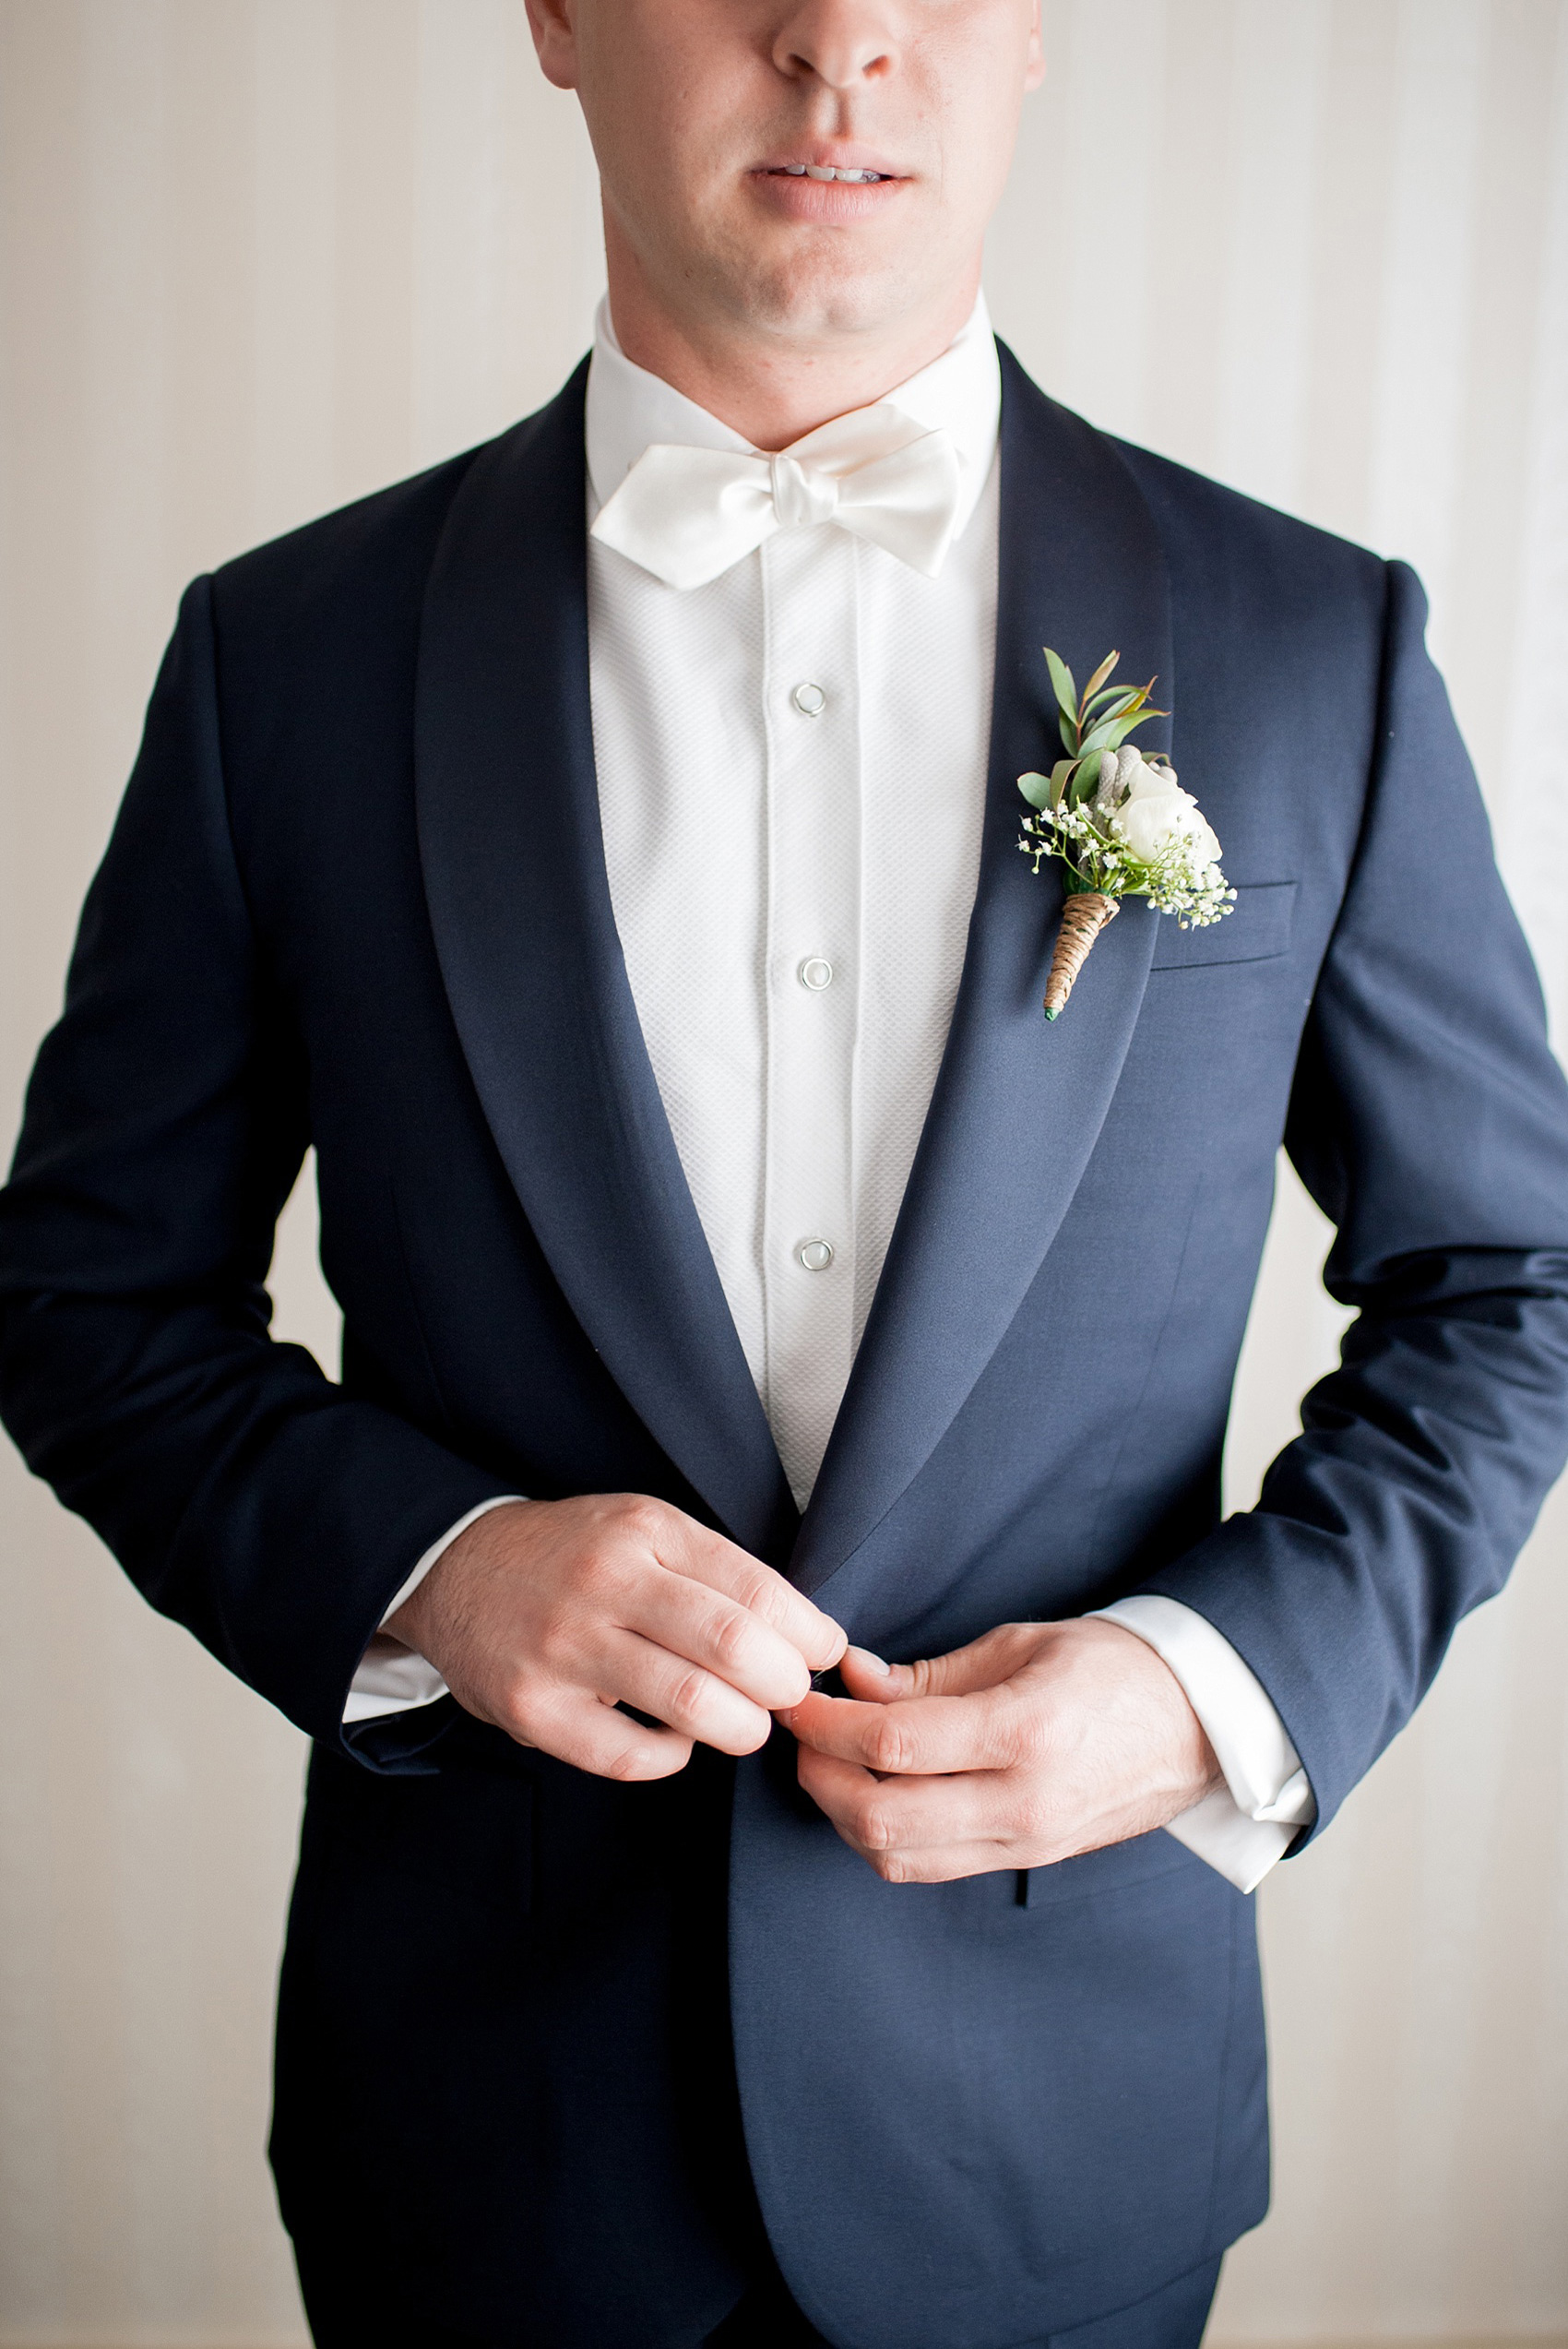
x=356 y=898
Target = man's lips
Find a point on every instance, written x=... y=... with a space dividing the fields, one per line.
x=851 y=175
x=813 y=190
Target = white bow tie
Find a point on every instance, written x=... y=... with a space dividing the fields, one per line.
x=688 y=514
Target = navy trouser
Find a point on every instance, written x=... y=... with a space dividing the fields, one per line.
x=1173 y=2319
x=768 y=2319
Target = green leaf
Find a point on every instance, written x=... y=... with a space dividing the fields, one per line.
x=1108 y=734
x=1060 y=776
x=1099 y=677
x=1068 y=730
x=1111 y=732
x=1117 y=697
x=1061 y=678
x=1122 y=727
x=1036 y=790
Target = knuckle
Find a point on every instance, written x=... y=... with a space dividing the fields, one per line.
x=1025 y=1741
x=757 y=1589
x=515 y=1708
x=1027 y=1821
x=558 y=1651
x=892 y=1745
x=731 y=1638
x=688 y=1695
x=594 y=1583
x=642 y=1518
x=872 y=1827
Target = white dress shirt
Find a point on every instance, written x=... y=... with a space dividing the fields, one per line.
x=791 y=762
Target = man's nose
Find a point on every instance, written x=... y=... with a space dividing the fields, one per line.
x=841 y=43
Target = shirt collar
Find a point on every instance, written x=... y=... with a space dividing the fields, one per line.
x=629 y=410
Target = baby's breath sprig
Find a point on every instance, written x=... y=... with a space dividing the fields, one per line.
x=1120 y=822
x=1174 y=880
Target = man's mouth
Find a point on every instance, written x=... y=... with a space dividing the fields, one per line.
x=823 y=171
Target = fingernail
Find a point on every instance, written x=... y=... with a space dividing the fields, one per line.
x=875 y=1663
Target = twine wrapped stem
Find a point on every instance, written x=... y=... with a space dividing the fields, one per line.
x=1084 y=916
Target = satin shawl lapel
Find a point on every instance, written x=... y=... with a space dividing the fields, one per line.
x=519 y=902
x=1018 y=1102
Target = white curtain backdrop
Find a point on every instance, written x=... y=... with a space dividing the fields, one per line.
x=259 y=256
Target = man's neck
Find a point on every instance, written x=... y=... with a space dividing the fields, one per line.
x=774 y=387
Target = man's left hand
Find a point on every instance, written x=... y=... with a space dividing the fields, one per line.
x=1037 y=1742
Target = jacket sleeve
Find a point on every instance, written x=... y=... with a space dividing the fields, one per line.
x=1429 y=1121
x=244 y=1493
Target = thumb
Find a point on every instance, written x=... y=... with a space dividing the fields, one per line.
x=866 y=1677
x=962 y=1672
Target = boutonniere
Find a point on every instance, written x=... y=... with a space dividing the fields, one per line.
x=1119 y=822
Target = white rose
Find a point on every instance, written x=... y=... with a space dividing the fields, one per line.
x=1156 y=811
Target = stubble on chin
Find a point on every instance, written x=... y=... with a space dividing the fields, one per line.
x=797 y=284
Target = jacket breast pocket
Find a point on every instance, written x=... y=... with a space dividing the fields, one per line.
x=1256 y=929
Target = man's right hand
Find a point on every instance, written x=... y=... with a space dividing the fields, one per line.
x=543 y=1617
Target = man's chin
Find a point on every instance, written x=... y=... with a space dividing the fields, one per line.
x=821 y=288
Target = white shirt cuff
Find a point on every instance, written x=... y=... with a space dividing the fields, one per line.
x=1243 y=1827
x=392 y=1678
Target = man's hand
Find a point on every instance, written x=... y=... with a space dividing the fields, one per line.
x=544 y=1615
x=1037 y=1742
